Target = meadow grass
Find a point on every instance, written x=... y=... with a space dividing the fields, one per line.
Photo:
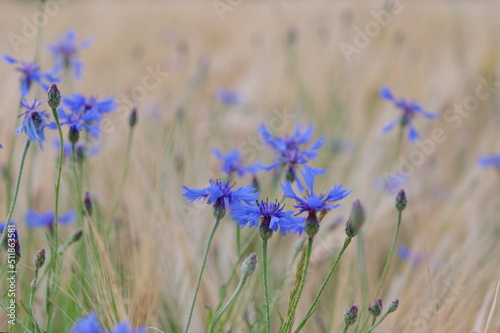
x=142 y=246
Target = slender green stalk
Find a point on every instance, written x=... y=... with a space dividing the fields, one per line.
x=389 y=257
x=205 y=255
x=238 y=238
x=266 y=288
x=314 y=304
x=219 y=313
x=295 y=297
x=16 y=191
x=378 y=322
x=123 y=178
x=18 y=322
x=345 y=329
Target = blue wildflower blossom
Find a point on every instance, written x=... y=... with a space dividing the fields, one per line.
x=34 y=122
x=232 y=163
x=65 y=53
x=81 y=149
x=7 y=240
x=31 y=72
x=311 y=202
x=489 y=161
x=77 y=122
x=270 y=214
x=125 y=327
x=78 y=103
x=89 y=324
x=288 y=150
x=2 y=228
x=410 y=108
x=46 y=219
x=229 y=97
x=221 y=195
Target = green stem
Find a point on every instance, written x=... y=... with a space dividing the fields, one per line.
x=294 y=301
x=124 y=174
x=238 y=238
x=389 y=257
x=345 y=329
x=378 y=322
x=313 y=306
x=219 y=313
x=266 y=289
x=205 y=255
x=16 y=191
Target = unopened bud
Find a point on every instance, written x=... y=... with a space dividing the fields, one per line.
x=53 y=96
x=39 y=259
x=351 y=315
x=401 y=200
x=312 y=225
x=88 y=203
x=393 y=306
x=376 y=308
x=75 y=237
x=73 y=135
x=356 y=219
x=219 y=209
x=249 y=264
x=132 y=121
x=34 y=284
x=265 y=231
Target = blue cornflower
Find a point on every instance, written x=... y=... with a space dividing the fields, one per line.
x=1 y=147
x=125 y=327
x=232 y=163
x=32 y=73
x=34 y=122
x=2 y=228
x=81 y=149
x=271 y=215
x=89 y=121
x=288 y=151
x=78 y=104
x=229 y=97
x=221 y=195
x=311 y=202
x=489 y=161
x=65 y=53
x=8 y=241
x=391 y=183
x=46 y=219
x=89 y=324
x=410 y=108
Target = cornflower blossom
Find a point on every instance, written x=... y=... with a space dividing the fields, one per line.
x=271 y=216
x=65 y=53
x=79 y=121
x=91 y=324
x=410 y=108
x=34 y=122
x=81 y=150
x=489 y=161
x=46 y=219
x=309 y=202
x=288 y=151
x=229 y=97
x=232 y=163
x=17 y=246
x=221 y=195
x=78 y=103
x=31 y=72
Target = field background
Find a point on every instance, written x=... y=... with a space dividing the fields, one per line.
x=285 y=58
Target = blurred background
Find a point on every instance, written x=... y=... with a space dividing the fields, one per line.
x=206 y=74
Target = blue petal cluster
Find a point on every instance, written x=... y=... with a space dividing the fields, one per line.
x=410 y=108
x=46 y=219
x=221 y=193
x=232 y=163
x=34 y=122
x=489 y=161
x=65 y=53
x=91 y=324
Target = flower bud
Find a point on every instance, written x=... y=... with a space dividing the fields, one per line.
x=219 y=209
x=39 y=259
x=88 y=203
x=356 y=219
x=401 y=200
x=34 y=284
x=393 y=306
x=132 y=121
x=73 y=135
x=53 y=97
x=312 y=225
x=249 y=264
x=265 y=231
x=351 y=315
x=376 y=308
x=75 y=237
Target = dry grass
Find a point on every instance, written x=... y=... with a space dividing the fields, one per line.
x=433 y=52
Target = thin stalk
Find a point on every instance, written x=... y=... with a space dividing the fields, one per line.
x=205 y=255
x=314 y=304
x=345 y=329
x=238 y=238
x=266 y=288
x=294 y=301
x=124 y=174
x=378 y=322
x=219 y=313
x=389 y=257
x=16 y=191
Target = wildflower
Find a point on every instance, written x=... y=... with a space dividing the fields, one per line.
x=391 y=183
x=311 y=202
x=376 y=308
x=89 y=324
x=351 y=315
x=10 y=239
x=393 y=306
x=81 y=150
x=34 y=122
x=125 y=327
x=65 y=53
x=232 y=163
x=410 y=108
x=288 y=150
x=46 y=219
x=401 y=200
x=356 y=219
x=132 y=120
x=88 y=121
x=489 y=161
x=31 y=72
x=39 y=259
x=87 y=202
x=406 y=254
x=271 y=216
x=221 y=195
x=229 y=97
x=80 y=104
x=54 y=96
x=249 y=264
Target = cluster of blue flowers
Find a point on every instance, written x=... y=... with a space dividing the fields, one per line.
x=91 y=324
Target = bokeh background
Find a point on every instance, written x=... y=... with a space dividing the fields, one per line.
x=287 y=61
